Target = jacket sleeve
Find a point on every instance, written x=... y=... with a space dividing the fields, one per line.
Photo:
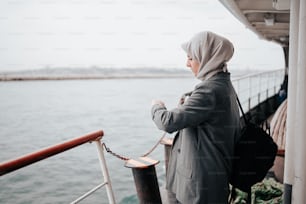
x=196 y=110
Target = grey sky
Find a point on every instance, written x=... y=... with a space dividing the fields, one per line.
x=124 y=33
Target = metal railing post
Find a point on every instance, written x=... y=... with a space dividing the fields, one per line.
x=250 y=91
x=274 y=89
x=238 y=87
x=109 y=190
x=167 y=142
x=145 y=179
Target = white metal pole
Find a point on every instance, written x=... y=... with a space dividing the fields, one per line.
x=250 y=94
x=291 y=107
x=299 y=185
x=109 y=190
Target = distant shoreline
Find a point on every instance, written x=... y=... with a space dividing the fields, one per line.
x=58 y=78
x=92 y=73
x=99 y=73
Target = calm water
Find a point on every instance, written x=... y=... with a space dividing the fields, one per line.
x=37 y=114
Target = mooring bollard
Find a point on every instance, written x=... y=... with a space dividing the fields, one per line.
x=167 y=142
x=145 y=179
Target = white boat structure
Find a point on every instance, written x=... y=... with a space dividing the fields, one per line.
x=284 y=22
x=280 y=21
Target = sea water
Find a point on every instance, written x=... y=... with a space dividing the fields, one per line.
x=38 y=114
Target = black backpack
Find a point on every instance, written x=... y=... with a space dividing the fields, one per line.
x=254 y=155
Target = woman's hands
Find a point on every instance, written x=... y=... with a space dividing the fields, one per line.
x=159 y=102
x=184 y=98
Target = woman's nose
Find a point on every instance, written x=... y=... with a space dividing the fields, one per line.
x=187 y=64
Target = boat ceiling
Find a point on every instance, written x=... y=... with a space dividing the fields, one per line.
x=269 y=19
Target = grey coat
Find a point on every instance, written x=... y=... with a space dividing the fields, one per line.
x=208 y=127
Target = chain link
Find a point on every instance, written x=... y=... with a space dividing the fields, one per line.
x=114 y=154
x=108 y=150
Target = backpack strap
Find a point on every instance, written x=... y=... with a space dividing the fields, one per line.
x=240 y=106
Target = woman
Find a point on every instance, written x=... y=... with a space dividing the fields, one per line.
x=207 y=124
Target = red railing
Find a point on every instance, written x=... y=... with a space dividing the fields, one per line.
x=12 y=165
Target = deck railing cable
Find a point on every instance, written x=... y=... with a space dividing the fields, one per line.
x=255 y=88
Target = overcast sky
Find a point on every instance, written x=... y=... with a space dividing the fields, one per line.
x=36 y=34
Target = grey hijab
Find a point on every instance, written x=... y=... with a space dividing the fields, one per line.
x=211 y=51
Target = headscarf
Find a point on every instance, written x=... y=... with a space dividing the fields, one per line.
x=211 y=51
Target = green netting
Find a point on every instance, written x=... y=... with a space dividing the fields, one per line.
x=269 y=191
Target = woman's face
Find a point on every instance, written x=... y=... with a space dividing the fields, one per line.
x=193 y=64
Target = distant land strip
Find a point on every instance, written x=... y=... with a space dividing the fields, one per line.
x=93 y=73
x=32 y=78
x=101 y=73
